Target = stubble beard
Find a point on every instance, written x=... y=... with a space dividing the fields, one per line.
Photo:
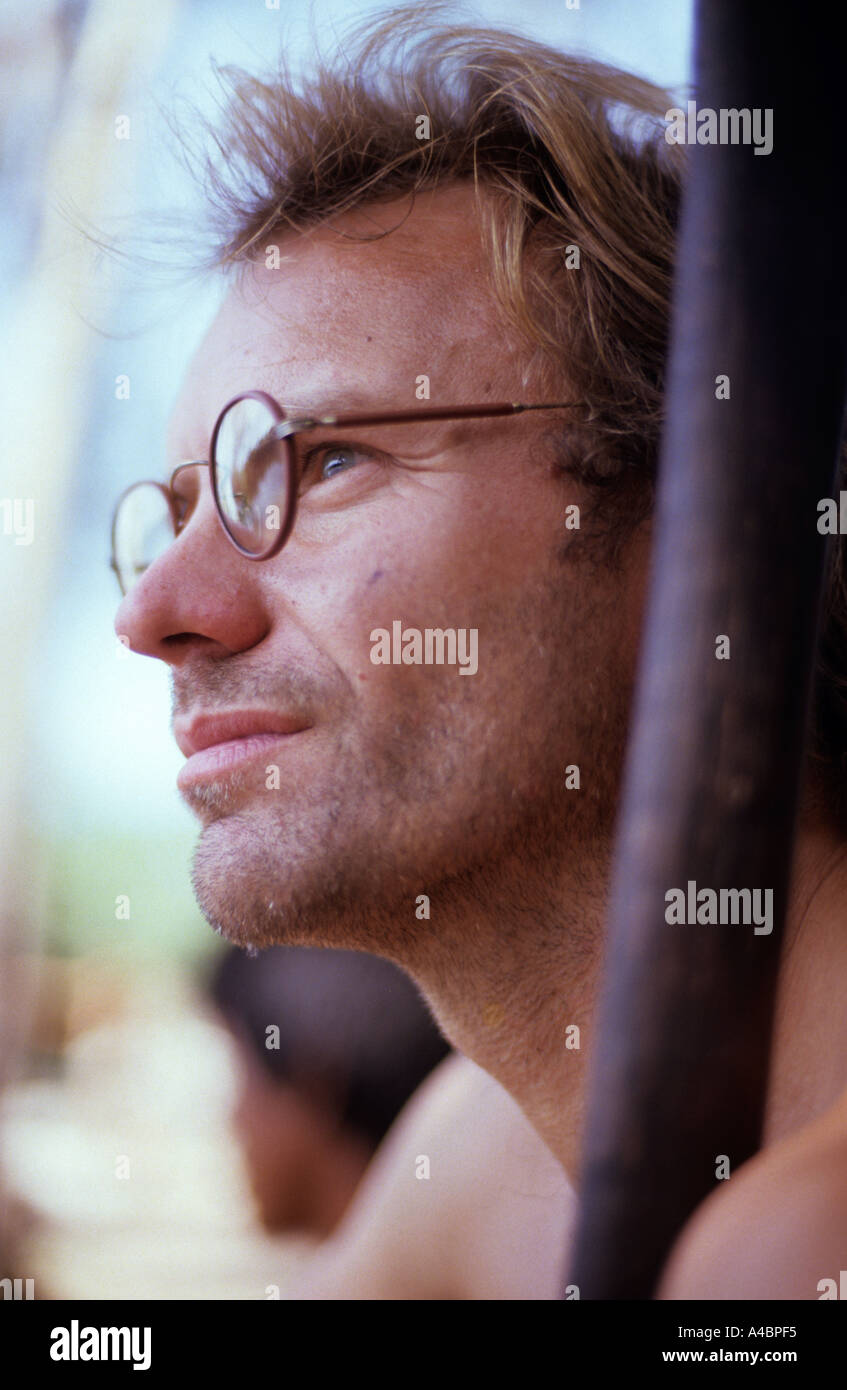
x=468 y=807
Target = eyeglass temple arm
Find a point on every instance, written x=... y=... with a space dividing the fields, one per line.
x=455 y=412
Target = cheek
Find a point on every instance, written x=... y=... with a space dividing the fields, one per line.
x=454 y=556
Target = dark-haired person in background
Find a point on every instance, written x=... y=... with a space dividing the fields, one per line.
x=332 y=1044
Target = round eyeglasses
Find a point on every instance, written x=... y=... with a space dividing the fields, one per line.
x=255 y=477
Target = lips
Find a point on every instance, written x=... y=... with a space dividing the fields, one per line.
x=207 y=730
x=218 y=746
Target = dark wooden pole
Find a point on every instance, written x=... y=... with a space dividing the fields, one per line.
x=680 y=1066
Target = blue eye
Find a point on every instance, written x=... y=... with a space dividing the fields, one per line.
x=327 y=462
x=331 y=465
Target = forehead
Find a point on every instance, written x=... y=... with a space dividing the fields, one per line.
x=347 y=322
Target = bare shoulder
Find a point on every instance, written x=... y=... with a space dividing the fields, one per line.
x=777 y=1229
x=462 y=1200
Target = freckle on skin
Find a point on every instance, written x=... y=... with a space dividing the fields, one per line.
x=377 y=574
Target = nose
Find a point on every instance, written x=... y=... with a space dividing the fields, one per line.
x=199 y=595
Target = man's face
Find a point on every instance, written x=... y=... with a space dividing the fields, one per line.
x=401 y=779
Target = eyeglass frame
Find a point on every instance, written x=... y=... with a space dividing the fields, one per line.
x=284 y=430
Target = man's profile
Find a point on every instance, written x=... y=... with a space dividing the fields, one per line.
x=519 y=253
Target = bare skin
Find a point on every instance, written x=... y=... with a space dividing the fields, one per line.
x=490 y=1222
x=410 y=780
x=777 y=1229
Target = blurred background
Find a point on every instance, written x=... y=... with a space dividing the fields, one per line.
x=124 y=1170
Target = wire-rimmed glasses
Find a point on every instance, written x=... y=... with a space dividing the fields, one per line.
x=254 y=471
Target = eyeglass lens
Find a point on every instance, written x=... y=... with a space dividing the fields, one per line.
x=143 y=529
x=251 y=476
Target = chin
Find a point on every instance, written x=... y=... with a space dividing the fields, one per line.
x=258 y=885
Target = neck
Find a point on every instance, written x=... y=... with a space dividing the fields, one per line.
x=514 y=979
x=514 y=982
